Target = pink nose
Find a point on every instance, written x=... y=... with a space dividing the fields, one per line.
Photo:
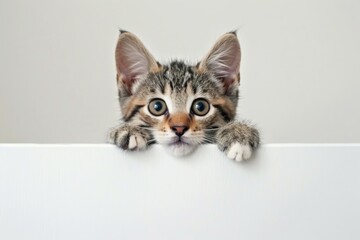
x=179 y=130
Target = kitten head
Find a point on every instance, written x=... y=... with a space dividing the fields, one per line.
x=181 y=105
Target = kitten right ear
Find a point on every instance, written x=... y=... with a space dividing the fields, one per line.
x=133 y=61
x=223 y=61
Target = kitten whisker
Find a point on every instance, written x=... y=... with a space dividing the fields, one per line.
x=208 y=139
x=146 y=127
x=210 y=129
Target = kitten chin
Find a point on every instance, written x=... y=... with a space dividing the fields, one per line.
x=180 y=149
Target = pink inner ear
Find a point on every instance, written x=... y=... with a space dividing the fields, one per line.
x=229 y=70
x=224 y=60
x=224 y=63
x=123 y=74
x=227 y=82
x=132 y=60
x=233 y=71
x=122 y=69
x=234 y=66
x=128 y=77
x=128 y=82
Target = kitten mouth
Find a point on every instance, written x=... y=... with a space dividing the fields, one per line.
x=179 y=142
x=179 y=147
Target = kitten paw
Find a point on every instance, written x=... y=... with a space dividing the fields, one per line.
x=237 y=140
x=239 y=152
x=128 y=137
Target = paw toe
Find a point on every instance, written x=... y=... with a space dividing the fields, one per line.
x=233 y=152
x=137 y=142
x=239 y=152
x=141 y=143
x=132 y=142
x=246 y=151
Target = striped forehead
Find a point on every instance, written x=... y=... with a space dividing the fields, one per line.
x=178 y=75
x=176 y=97
x=179 y=83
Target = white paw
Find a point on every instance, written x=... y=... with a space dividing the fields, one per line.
x=127 y=139
x=239 y=152
x=137 y=142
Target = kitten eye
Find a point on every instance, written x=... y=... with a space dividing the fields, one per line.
x=200 y=107
x=157 y=107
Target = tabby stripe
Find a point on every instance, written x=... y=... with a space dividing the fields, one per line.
x=223 y=113
x=133 y=112
x=116 y=137
x=194 y=89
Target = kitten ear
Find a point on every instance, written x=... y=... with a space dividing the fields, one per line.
x=133 y=61
x=223 y=61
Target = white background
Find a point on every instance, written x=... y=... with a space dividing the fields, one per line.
x=300 y=63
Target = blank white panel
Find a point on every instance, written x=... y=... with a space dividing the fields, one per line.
x=100 y=192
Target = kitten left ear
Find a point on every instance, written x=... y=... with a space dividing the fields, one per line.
x=133 y=61
x=223 y=61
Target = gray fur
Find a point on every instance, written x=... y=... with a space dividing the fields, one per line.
x=237 y=132
x=120 y=136
x=180 y=81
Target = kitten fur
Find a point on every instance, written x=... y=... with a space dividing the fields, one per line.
x=181 y=91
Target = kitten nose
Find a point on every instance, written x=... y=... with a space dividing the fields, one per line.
x=179 y=130
x=179 y=122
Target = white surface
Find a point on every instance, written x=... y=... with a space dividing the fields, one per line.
x=299 y=73
x=99 y=192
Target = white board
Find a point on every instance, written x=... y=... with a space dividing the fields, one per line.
x=98 y=192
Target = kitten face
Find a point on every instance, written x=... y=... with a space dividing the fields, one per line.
x=180 y=105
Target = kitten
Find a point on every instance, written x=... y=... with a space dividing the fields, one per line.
x=178 y=105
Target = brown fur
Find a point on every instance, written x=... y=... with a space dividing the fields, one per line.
x=142 y=80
